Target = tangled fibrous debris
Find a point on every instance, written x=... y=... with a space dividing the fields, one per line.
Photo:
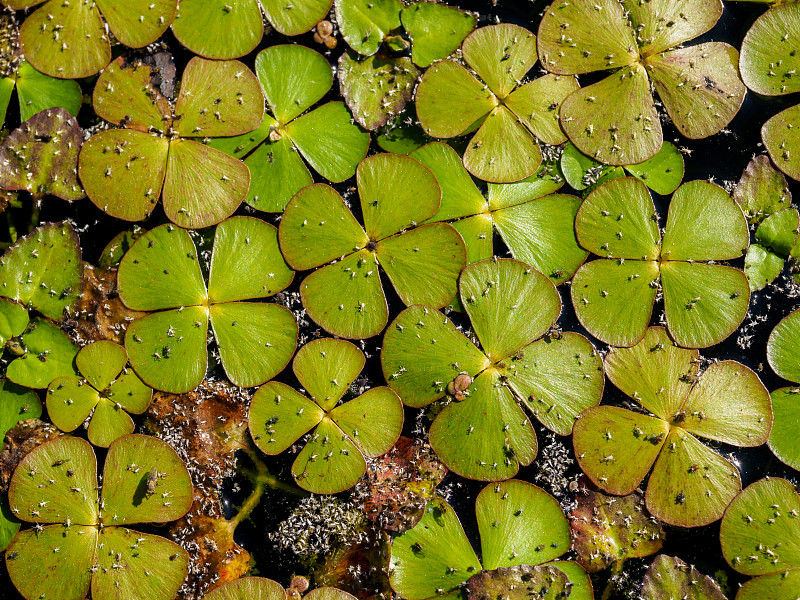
x=555 y=471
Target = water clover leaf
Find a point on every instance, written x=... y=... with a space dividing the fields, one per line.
x=485 y=434
x=435 y=30
x=37 y=92
x=511 y=115
x=762 y=190
x=41 y=156
x=690 y=484
x=365 y=23
x=332 y=459
x=757 y=537
x=43 y=270
x=69 y=40
x=16 y=404
x=161 y=272
x=260 y=588
x=48 y=353
x=519 y=524
x=662 y=173
x=784 y=358
x=422 y=262
x=537 y=227
x=294 y=78
x=86 y=544
x=614 y=296
x=669 y=577
x=775 y=238
x=615 y=120
x=223 y=29
x=107 y=392
x=13 y=320
x=125 y=171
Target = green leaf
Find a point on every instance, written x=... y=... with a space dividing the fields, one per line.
x=435 y=30
x=444 y=85
x=70 y=402
x=364 y=24
x=37 y=92
x=294 y=79
x=614 y=120
x=138 y=23
x=41 y=156
x=704 y=223
x=81 y=47
x=578 y=169
x=434 y=555
x=614 y=300
x=580 y=580
x=541 y=233
x=277 y=172
x=663 y=172
x=108 y=423
x=49 y=353
x=317 y=227
x=762 y=190
x=403 y=137
x=13 y=320
x=782 y=141
x=699 y=86
x=346 y=143
x=218 y=28
x=537 y=103
x=330 y=462
x=16 y=404
x=761 y=266
x=168 y=349
x=778 y=232
x=616 y=221
x=376 y=88
x=783 y=438
x=749 y=528
x=202 y=185
x=246 y=261
x=6 y=89
x=9 y=524
x=703 y=303
x=501 y=55
x=557 y=379
x=783 y=348
x=509 y=305
x=546 y=180
x=502 y=151
x=123 y=171
x=486 y=436
x=680 y=494
x=778 y=586
x=598 y=39
x=229 y=88
x=769 y=61
x=256 y=340
x=149 y=566
x=125 y=498
x=616 y=447
x=248 y=588
x=130 y=392
x=477 y=233
x=326 y=368
x=655 y=372
x=279 y=416
x=101 y=362
x=518 y=583
x=36 y=570
x=161 y=271
x=118 y=246
x=670 y=577
x=520 y=524
x=297 y=17
x=373 y=420
x=416 y=367
x=51 y=473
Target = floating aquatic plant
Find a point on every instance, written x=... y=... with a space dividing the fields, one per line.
x=762 y=190
x=510 y=115
x=615 y=120
x=522 y=533
x=484 y=433
x=106 y=391
x=690 y=484
x=776 y=240
x=783 y=355
x=70 y=40
x=344 y=295
x=669 y=577
x=161 y=273
x=125 y=171
x=614 y=296
x=290 y=134
x=45 y=352
x=80 y=540
x=260 y=588
x=332 y=460
x=37 y=92
x=16 y=404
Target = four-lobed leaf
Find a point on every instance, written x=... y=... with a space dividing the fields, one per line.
x=783 y=355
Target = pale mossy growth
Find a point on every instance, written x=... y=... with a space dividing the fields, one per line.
x=341 y=435
x=156 y=153
x=615 y=121
x=161 y=274
x=80 y=539
x=519 y=524
x=690 y=484
x=484 y=433
x=69 y=40
x=510 y=116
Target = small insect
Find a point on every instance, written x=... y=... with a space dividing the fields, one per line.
x=152 y=480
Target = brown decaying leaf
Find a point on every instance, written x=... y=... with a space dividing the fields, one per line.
x=523 y=582
x=360 y=568
x=20 y=440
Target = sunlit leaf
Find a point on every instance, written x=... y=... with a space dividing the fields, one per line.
x=782 y=141
x=365 y=24
x=435 y=30
x=219 y=28
x=762 y=190
x=783 y=350
x=769 y=58
x=49 y=353
x=37 y=92
x=670 y=577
